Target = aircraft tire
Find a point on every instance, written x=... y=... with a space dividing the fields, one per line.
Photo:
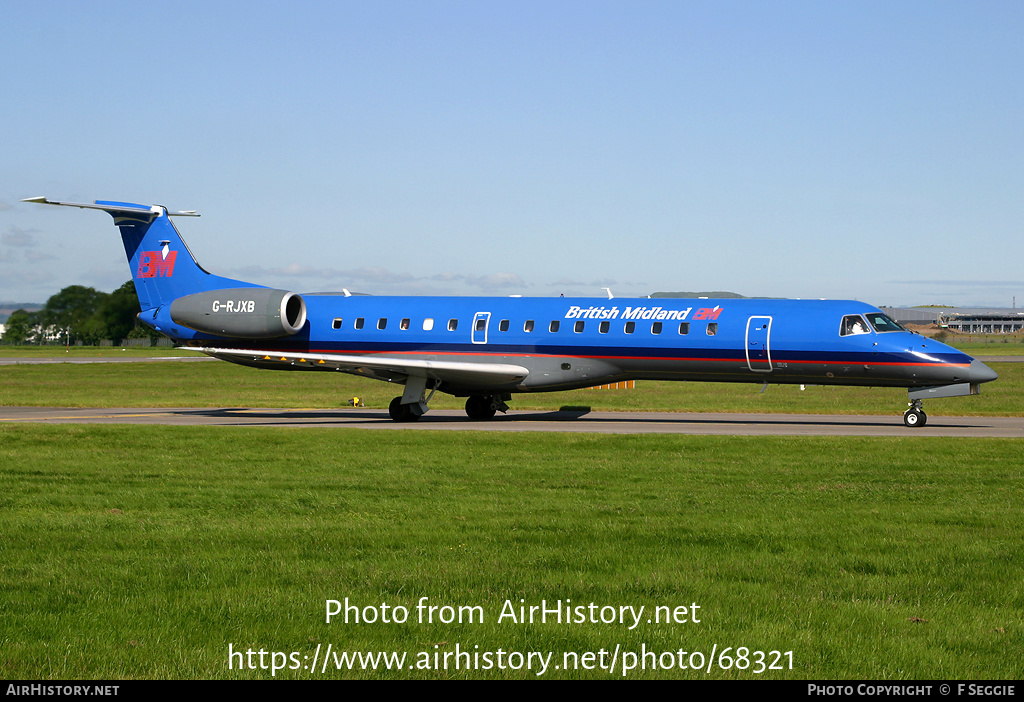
x=400 y=412
x=479 y=407
x=915 y=418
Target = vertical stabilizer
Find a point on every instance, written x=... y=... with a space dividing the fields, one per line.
x=162 y=266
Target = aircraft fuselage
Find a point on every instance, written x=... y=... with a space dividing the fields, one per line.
x=570 y=343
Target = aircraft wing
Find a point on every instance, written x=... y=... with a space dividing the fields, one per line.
x=381 y=367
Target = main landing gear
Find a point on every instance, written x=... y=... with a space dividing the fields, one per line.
x=915 y=416
x=485 y=406
x=404 y=413
x=413 y=404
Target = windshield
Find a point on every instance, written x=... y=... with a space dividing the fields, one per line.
x=883 y=323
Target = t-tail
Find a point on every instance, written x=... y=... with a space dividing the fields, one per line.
x=177 y=296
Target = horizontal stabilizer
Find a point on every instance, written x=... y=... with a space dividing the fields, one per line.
x=114 y=208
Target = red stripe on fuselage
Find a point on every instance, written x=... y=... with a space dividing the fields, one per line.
x=627 y=358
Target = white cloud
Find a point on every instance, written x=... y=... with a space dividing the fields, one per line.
x=25 y=276
x=35 y=256
x=16 y=236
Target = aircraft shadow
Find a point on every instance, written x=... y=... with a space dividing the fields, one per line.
x=245 y=415
x=241 y=414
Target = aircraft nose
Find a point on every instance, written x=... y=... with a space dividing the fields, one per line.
x=980 y=373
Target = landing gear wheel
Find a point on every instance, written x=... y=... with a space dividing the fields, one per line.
x=400 y=412
x=915 y=418
x=480 y=407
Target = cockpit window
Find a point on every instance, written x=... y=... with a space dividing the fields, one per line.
x=884 y=323
x=853 y=324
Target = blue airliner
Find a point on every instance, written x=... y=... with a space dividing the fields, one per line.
x=488 y=348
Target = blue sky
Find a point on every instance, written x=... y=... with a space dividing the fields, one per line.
x=867 y=150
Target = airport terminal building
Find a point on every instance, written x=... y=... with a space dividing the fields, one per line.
x=965 y=320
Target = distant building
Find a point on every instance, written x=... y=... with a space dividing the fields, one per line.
x=965 y=320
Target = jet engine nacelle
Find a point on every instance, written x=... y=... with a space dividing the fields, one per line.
x=247 y=313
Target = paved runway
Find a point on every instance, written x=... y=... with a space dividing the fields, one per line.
x=593 y=422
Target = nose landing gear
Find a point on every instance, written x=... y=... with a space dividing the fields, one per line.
x=915 y=416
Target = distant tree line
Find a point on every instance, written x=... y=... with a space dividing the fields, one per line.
x=80 y=314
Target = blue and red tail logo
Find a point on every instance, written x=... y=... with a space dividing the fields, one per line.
x=153 y=264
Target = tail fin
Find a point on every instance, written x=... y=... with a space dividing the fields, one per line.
x=162 y=266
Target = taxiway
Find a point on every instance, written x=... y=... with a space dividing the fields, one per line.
x=556 y=421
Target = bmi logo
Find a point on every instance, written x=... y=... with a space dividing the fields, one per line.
x=157 y=263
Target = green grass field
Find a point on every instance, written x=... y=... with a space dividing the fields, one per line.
x=988 y=344
x=61 y=352
x=134 y=552
x=146 y=552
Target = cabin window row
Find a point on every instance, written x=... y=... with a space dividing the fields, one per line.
x=529 y=325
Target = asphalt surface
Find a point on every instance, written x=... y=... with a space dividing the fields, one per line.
x=592 y=422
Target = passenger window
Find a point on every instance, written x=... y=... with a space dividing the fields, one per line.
x=528 y=327
x=382 y=323
x=503 y=325
x=605 y=326
x=578 y=327
x=428 y=324
x=630 y=327
x=553 y=327
x=337 y=323
x=684 y=328
x=453 y=324
x=481 y=324
x=405 y=323
x=853 y=324
x=359 y=323
x=656 y=328
x=712 y=328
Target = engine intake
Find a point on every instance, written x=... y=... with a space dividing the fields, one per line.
x=247 y=313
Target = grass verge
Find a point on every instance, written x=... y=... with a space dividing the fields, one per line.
x=145 y=552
